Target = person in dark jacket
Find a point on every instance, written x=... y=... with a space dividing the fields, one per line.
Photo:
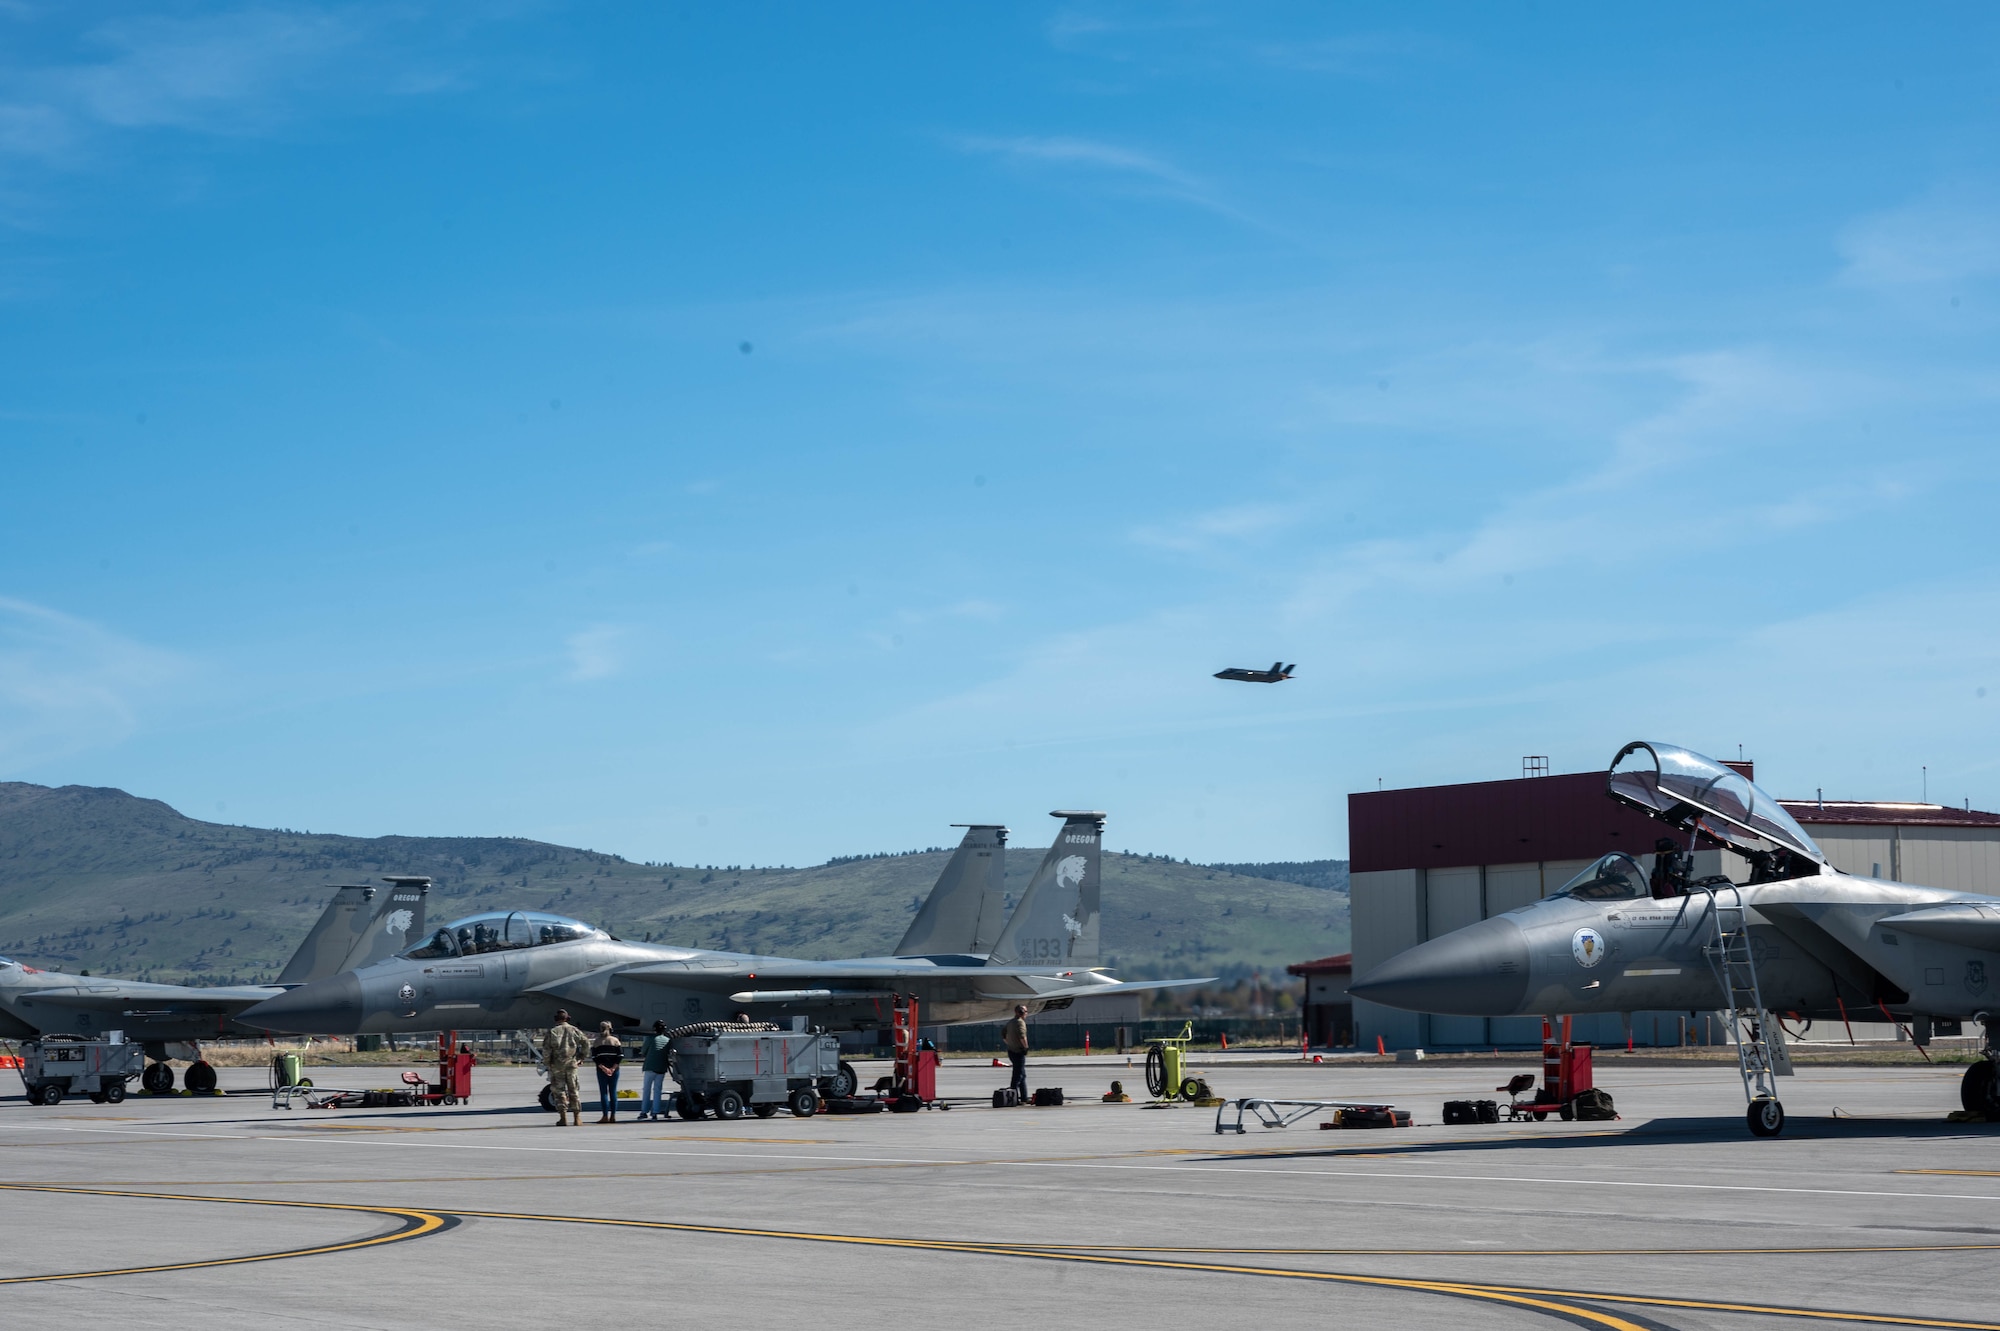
x=607 y=1054
x=656 y=1052
x=1015 y=1036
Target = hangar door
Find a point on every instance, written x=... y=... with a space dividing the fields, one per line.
x=1454 y=898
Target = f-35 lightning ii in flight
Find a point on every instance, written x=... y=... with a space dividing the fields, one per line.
x=512 y=969
x=1798 y=939
x=361 y=925
x=1277 y=674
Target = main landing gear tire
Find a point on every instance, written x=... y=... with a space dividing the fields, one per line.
x=1765 y=1117
x=158 y=1079
x=846 y=1082
x=1979 y=1092
x=199 y=1078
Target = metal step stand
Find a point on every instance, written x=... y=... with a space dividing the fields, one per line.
x=1761 y=1054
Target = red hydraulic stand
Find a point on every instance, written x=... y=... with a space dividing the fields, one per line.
x=915 y=1079
x=454 y=1083
x=1566 y=1072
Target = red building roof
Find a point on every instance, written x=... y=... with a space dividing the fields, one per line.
x=1888 y=813
x=1566 y=817
x=1340 y=965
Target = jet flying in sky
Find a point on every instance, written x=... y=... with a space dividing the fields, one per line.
x=1277 y=674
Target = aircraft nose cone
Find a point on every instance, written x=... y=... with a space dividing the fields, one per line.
x=325 y=1007
x=1478 y=971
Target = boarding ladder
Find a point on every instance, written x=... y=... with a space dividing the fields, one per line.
x=1760 y=1041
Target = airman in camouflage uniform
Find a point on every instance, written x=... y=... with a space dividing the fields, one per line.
x=562 y=1049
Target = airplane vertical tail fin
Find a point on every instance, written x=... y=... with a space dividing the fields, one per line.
x=362 y=924
x=963 y=913
x=332 y=936
x=398 y=922
x=1056 y=922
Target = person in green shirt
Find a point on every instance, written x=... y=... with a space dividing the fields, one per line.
x=654 y=1050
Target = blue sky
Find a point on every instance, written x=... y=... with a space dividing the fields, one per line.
x=751 y=435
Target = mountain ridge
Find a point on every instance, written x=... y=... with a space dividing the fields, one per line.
x=94 y=877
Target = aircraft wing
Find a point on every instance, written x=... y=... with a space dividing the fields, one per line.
x=795 y=982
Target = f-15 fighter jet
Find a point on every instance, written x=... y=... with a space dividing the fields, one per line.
x=1798 y=939
x=362 y=924
x=1277 y=674
x=513 y=969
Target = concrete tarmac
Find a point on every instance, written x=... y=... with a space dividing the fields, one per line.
x=221 y=1212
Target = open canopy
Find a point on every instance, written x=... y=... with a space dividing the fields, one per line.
x=1681 y=787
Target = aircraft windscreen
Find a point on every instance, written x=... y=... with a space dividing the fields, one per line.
x=1615 y=877
x=1660 y=777
x=500 y=931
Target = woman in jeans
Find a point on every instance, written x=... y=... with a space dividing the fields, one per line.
x=607 y=1054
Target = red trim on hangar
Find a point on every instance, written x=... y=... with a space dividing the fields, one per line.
x=1493 y=822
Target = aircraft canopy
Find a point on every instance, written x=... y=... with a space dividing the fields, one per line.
x=1681 y=787
x=501 y=931
x=1614 y=877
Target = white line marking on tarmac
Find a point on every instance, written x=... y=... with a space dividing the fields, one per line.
x=770 y=1157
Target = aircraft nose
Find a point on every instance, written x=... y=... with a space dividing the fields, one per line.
x=325 y=1007
x=1478 y=971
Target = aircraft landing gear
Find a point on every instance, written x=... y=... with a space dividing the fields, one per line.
x=1766 y=1118
x=1979 y=1091
x=157 y=1079
x=199 y=1078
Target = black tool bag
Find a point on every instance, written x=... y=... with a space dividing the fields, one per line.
x=1048 y=1095
x=1006 y=1098
x=1489 y=1110
x=1594 y=1106
x=1459 y=1112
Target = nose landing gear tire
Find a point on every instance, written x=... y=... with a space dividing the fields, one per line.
x=1979 y=1092
x=1765 y=1117
x=547 y=1100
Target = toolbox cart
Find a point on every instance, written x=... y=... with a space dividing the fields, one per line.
x=59 y=1065
x=730 y=1069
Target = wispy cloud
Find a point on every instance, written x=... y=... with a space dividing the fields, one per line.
x=1132 y=168
x=1231 y=525
x=67 y=685
x=237 y=73
x=1949 y=236
x=598 y=652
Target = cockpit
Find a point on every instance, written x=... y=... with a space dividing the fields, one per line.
x=501 y=931
x=1695 y=793
x=1615 y=877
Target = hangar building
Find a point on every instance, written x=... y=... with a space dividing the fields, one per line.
x=1428 y=860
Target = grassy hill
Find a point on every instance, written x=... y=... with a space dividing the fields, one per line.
x=99 y=879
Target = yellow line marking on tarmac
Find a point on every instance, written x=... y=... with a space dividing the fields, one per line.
x=1545 y=1299
x=1561 y=1302
x=416 y=1224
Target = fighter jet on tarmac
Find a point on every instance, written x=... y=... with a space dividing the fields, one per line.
x=1277 y=674
x=513 y=969
x=1797 y=939
x=359 y=926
